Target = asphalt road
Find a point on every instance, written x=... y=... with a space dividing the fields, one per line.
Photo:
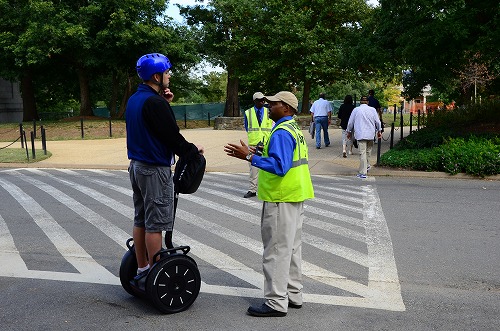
x=386 y=253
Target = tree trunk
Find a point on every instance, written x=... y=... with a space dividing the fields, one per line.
x=305 y=97
x=232 y=108
x=126 y=94
x=85 y=105
x=30 y=111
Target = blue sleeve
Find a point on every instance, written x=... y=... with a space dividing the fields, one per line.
x=280 y=154
x=246 y=121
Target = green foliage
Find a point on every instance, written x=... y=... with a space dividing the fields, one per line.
x=474 y=156
x=425 y=138
x=434 y=41
x=449 y=144
x=420 y=159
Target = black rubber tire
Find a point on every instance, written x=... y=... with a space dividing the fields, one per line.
x=128 y=270
x=173 y=284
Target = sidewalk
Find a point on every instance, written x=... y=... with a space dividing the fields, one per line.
x=112 y=154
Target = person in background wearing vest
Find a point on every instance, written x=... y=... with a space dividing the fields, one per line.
x=321 y=114
x=284 y=184
x=153 y=140
x=258 y=126
x=365 y=123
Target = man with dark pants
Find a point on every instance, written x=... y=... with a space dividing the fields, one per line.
x=321 y=114
x=284 y=184
x=365 y=123
x=258 y=126
x=153 y=140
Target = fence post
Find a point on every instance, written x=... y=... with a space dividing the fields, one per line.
x=34 y=128
x=110 y=132
x=401 y=124
x=26 y=145
x=81 y=126
x=185 y=119
x=379 y=146
x=392 y=136
x=395 y=112
x=21 y=134
x=44 y=141
x=418 y=121
x=411 y=121
x=33 y=144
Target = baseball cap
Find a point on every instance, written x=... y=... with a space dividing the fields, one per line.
x=258 y=96
x=287 y=97
x=364 y=98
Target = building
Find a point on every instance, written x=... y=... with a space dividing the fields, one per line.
x=11 y=103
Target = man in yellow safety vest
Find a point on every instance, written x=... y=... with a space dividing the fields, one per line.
x=258 y=126
x=284 y=184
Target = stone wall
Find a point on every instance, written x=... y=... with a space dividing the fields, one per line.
x=237 y=123
x=11 y=103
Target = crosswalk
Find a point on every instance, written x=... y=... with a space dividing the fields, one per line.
x=72 y=225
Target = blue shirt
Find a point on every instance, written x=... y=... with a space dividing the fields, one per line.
x=280 y=152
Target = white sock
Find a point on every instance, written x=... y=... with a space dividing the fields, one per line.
x=139 y=270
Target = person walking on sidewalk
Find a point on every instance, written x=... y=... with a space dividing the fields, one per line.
x=258 y=126
x=366 y=124
x=373 y=102
x=153 y=140
x=284 y=184
x=344 y=114
x=321 y=114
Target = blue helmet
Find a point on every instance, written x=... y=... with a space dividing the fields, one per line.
x=150 y=64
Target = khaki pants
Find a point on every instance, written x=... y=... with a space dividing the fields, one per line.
x=281 y=229
x=365 y=153
x=253 y=179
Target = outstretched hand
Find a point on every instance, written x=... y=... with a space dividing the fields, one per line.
x=238 y=151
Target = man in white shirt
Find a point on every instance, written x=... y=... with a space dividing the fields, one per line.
x=321 y=114
x=366 y=123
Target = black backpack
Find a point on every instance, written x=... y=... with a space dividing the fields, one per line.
x=189 y=173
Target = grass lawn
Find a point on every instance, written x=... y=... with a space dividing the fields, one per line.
x=18 y=155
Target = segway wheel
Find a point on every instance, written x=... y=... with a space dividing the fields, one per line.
x=128 y=270
x=173 y=284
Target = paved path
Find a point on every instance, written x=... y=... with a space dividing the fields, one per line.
x=112 y=154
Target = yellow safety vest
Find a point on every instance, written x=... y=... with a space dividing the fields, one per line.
x=296 y=185
x=256 y=132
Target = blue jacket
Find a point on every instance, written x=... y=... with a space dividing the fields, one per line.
x=153 y=136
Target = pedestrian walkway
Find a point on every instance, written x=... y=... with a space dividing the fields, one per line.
x=112 y=154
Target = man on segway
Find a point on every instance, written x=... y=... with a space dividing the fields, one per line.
x=153 y=140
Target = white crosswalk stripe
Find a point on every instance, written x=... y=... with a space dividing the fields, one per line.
x=344 y=225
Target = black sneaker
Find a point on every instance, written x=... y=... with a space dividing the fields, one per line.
x=139 y=281
x=250 y=194
x=265 y=311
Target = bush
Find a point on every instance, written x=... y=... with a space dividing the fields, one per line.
x=475 y=156
x=415 y=159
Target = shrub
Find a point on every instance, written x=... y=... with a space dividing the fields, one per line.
x=466 y=139
x=475 y=156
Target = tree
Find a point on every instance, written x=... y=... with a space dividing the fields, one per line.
x=271 y=45
x=431 y=39
x=96 y=41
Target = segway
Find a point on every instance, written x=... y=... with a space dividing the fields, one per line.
x=173 y=282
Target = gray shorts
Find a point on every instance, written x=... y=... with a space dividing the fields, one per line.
x=153 y=196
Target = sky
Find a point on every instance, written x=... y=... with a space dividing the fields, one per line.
x=173 y=11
